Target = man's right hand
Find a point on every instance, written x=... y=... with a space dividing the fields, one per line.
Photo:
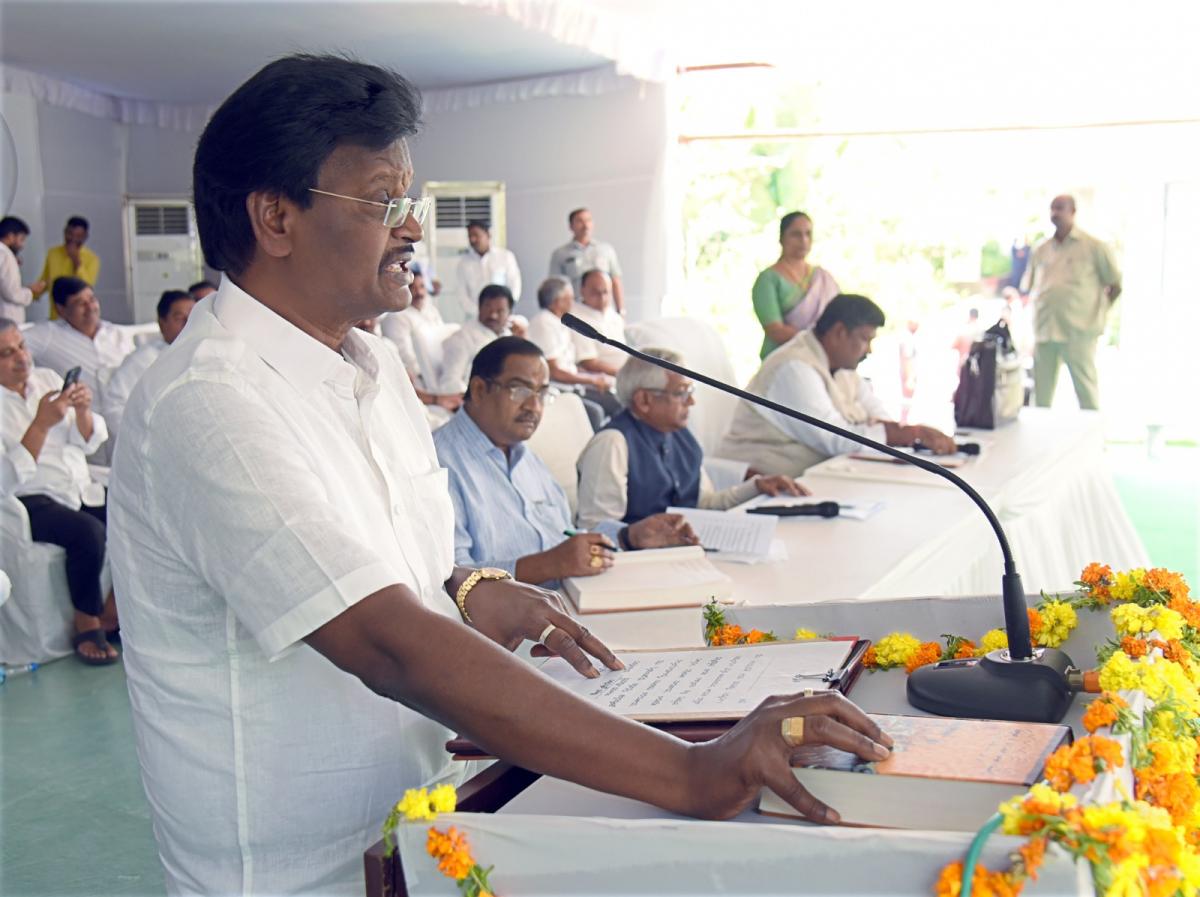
x=602 y=382
x=75 y=256
x=574 y=556
x=727 y=774
x=662 y=531
x=52 y=408
x=38 y=286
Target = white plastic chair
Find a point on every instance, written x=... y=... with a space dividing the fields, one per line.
x=36 y=620
x=428 y=346
x=560 y=440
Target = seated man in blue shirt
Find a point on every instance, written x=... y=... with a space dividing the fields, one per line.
x=508 y=511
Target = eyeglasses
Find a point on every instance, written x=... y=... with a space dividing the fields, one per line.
x=521 y=394
x=683 y=393
x=395 y=211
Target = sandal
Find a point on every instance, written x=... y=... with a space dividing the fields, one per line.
x=97 y=638
x=113 y=636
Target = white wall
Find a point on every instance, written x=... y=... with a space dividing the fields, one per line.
x=559 y=153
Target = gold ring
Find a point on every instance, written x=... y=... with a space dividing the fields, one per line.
x=809 y=692
x=595 y=549
x=596 y=561
x=550 y=627
x=793 y=731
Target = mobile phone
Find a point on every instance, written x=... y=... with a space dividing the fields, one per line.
x=71 y=378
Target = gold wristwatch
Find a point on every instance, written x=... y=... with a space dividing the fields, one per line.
x=476 y=577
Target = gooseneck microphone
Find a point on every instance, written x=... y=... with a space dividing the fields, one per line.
x=1013 y=684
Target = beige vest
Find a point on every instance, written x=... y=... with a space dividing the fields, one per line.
x=757 y=441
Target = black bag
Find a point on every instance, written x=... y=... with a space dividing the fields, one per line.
x=991 y=388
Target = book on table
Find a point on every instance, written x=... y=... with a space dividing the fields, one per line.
x=698 y=693
x=651 y=579
x=943 y=774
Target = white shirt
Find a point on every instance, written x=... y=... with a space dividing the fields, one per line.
x=797 y=385
x=59 y=346
x=262 y=485
x=460 y=350
x=604 y=485
x=124 y=379
x=547 y=331
x=609 y=323
x=398 y=326
x=476 y=271
x=61 y=471
x=13 y=296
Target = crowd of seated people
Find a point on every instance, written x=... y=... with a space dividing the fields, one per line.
x=483 y=401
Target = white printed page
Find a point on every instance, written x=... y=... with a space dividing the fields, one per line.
x=707 y=683
x=743 y=535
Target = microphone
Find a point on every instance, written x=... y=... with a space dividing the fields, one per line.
x=1014 y=684
x=817 y=509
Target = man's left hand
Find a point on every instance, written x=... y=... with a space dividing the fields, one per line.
x=508 y=612
x=79 y=397
x=779 y=485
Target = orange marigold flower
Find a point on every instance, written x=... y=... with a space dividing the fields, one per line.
x=949 y=883
x=869 y=657
x=1189 y=610
x=966 y=648
x=1096 y=574
x=1134 y=647
x=1100 y=713
x=1035 y=620
x=754 y=636
x=452 y=852
x=730 y=634
x=1081 y=761
x=1033 y=853
x=1174 y=651
x=929 y=652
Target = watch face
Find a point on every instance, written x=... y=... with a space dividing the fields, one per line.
x=493 y=573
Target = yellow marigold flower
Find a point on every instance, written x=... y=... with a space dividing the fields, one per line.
x=1124 y=586
x=895 y=649
x=1058 y=622
x=1163 y=680
x=414 y=806
x=1040 y=800
x=993 y=640
x=804 y=635
x=443 y=799
x=1168 y=623
x=1132 y=620
x=1120 y=673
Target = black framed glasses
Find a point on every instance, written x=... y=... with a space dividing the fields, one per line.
x=395 y=211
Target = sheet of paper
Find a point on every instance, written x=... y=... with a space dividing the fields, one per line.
x=712 y=683
x=958 y=459
x=860 y=510
x=732 y=537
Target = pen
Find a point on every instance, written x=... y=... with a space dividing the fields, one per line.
x=569 y=533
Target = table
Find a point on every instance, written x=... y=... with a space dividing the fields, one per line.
x=1044 y=475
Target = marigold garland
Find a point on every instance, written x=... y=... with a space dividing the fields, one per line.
x=449 y=847
x=1146 y=843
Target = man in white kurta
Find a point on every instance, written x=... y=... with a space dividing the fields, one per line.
x=482 y=264
x=491 y=322
x=79 y=338
x=318 y=466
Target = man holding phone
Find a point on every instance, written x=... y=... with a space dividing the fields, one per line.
x=48 y=428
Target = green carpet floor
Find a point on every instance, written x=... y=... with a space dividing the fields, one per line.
x=74 y=821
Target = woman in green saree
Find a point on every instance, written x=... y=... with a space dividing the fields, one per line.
x=791 y=294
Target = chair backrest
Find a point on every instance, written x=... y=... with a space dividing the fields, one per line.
x=428 y=347
x=703 y=351
x=560 y=440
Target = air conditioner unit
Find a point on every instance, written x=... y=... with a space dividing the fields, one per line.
x=162 y=251
x=454 y=204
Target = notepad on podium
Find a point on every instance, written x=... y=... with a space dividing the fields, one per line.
x=698 y=693
x=650 y=580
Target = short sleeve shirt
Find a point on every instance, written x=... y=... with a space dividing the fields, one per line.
x=262 y=485
x=1068 y=286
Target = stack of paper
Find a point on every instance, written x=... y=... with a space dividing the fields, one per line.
x=652 y=579
x=741 y=538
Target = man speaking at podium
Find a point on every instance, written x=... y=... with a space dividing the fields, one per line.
x=299 y=643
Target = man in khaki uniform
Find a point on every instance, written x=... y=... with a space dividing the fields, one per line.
x=1074 y=281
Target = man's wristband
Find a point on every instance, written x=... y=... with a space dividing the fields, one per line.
x=623 y=539
x=477 y=576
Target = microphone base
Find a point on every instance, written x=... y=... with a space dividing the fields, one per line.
x=995 y=687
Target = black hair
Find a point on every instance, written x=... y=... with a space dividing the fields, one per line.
x=78 y=221
x=11 y=225
x=496 y=291
x=588 y=273
x=479 y=223
x=64 y=288
x=275 y=132
x=786 y=221
x=489 y=361
x=574 y=212
x=851 y=310
x=200 y=285
x=169 y=298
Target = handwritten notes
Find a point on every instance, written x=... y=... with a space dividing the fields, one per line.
x=704 y=683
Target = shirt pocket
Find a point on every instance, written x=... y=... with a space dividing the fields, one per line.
x=433 y=524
